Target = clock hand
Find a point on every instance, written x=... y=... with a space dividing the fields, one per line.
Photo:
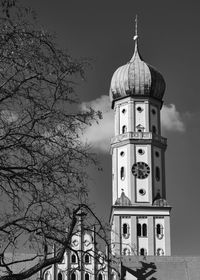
x=140 y=172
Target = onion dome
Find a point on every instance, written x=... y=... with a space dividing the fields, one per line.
x=159 y=201
x=123 y=200
x=136 y=78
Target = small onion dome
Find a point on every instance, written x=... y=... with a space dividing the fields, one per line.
x=123 y=200
x=136 y=78
x=160 y=202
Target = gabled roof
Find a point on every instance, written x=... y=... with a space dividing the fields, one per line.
x=160 y=268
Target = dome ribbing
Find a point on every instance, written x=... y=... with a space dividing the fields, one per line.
x=136 y=78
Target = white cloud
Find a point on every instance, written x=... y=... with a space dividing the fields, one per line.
x=99 y=134
x=171 y=119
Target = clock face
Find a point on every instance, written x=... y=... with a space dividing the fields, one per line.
x=141 y=170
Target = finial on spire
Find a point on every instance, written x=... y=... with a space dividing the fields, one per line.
x=136 y=28
x=135 y=38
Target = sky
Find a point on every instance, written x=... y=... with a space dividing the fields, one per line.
x=169 y=39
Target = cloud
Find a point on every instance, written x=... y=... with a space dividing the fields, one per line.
x=99 y=134
x=171 y=119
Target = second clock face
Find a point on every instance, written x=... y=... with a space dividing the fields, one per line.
x=141 y=170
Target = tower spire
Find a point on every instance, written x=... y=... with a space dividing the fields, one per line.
x=136 y=29
x=135 y=38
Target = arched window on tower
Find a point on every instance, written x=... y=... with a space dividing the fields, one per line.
x=124 y=129
x=60 y=276
x=160 y=252
x=139 y=231
x=87 y=277
x=142 y=251
x=73 y=258
x=122 y=173
x=73 y=276
x=144 y=230
x=157 y=173
x=154 y=130
x=159 y=231
x=87 y=258
x=125 y=230
x=126 y=252
x=100 y=276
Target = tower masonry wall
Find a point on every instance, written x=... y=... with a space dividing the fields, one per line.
x=138 y=171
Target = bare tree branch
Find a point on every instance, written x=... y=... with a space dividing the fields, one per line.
x=43 y=161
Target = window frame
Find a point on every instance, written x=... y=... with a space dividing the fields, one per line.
x=127 y=233
x=86 y=255
x=87 y=276
x=73 y=258
x=73 y=274
x=60 y=275
x=122 y=173
x=157 y=173
x=159 y=231
x=124 y=129
x=144 y=230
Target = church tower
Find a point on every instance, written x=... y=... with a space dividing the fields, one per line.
x=140 y=214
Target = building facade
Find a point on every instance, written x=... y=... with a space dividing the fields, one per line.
x=83 y=262
x=140 y=214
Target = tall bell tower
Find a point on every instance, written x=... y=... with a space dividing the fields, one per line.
x=140 y=214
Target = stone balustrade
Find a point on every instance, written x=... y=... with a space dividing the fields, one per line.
x=139 y=135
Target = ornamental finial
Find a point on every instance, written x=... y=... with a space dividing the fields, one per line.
x=135 y=38
x=136 y=29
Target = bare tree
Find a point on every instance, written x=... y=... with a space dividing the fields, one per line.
x=42 y=158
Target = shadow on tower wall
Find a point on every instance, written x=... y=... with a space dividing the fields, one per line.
x=144 y=272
